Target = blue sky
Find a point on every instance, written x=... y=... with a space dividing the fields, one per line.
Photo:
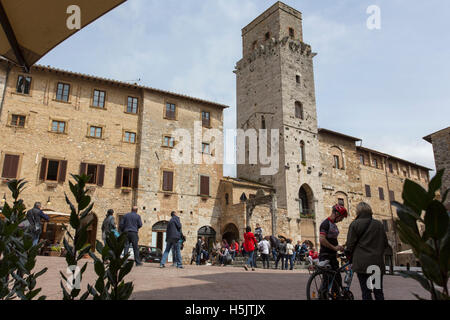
x=389 y=87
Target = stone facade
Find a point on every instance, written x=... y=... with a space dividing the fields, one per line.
x=35 y=140
x=441 y=148
x=275 y=90
x=276 y=72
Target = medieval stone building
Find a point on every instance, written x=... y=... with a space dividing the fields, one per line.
x=54 y=123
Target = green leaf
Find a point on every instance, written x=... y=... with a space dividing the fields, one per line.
x=74 y=221
x=125 y=270
x=415 y=196
x=435 y=183
x=436 y=220
x=431 y=269
x=99 y=268
x=85 y=200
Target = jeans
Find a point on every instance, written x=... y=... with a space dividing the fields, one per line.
x=274 y=255
x=265 y=260
x=280 y=257
x=289 y=258
x=366 y=292
x=36 y=236
x=199 y=258
x=171 y=244
x=233 y=254
x=133 y=239
x=250 y=261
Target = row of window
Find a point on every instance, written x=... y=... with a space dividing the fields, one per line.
x=98 y=132
x=380 y=193
x=392 y=167
x=53 y=170
x=99 y=99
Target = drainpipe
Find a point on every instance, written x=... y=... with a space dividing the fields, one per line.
x=394 y=251
x=8 y=70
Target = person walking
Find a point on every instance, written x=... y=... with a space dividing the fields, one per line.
x=173 y=236
x=289 y=255
x=274 y=242
x=34 y=217
x=366 y=244
x=249 y=246
x=131 y=223
x=264 y=247
x=108 y=225
x=200 y=249
x=258 y=232
x=281 y=253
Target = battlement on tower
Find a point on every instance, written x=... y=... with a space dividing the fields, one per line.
x=279 y=21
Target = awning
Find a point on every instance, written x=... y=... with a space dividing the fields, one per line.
x=31 y=28
x=57 y=217
x=405 y=252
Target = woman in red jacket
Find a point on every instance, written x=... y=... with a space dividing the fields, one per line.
x=249 y=247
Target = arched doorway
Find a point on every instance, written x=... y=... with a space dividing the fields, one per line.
x=92 y=229
x=210 y=235
x=306 y=205
x=159 y=236
x=231 y=233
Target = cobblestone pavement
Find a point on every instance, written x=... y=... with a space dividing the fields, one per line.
x=214 y=283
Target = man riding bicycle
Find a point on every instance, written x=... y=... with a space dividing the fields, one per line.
x=329 y=245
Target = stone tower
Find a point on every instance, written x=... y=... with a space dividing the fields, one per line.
x=275 y=90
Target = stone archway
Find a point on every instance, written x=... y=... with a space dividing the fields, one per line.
x=210 y=235
x=306 y=202
x=262 y=199
x=230 y=233
x=159 y=235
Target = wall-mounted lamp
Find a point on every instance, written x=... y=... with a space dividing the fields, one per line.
x=49 y=202
x=4 y=199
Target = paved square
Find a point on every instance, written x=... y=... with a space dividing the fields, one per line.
x=214 y=283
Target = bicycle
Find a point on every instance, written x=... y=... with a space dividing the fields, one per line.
x=334 y=289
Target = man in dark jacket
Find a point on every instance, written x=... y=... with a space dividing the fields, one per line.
x=173 y=236
x=131 y=223
x=367 y=242
x=34 y=218
x=274 y=242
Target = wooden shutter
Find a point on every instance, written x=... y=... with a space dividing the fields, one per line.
x=368 y=194
x=10 y=166
x=119 y=172
x=62 y=171
x=381 y=191
x=83 y=168
x=391 y=195
x=204 y=186
x=43 y=169
x=101 y=175
x=167 y=181
x=136 y=178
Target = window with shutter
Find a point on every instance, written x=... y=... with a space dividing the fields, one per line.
x=10 y=166
x=368 y=194
x=206 y=119
x=170 y=111
x=127 y=178
x=83 y=167
x=381 y=192
x=391 y=195
x=204 y=185
x=168 y=181
x=43 y=169
x=92 y=171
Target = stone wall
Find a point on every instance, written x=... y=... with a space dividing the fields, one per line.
x=441 y=147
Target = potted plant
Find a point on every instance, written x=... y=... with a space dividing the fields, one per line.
x=55 y=251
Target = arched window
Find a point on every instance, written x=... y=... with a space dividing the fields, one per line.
x=305 y=198
x=299 y=110
x=302 y=152
x=227 y=198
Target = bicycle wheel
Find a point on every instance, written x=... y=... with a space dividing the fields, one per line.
x=313 y=288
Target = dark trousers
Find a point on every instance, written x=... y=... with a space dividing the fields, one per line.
x=265 y=260
x=280 y=257
x=366 y=292
x=327 y=278
x=133 y=239
x=289 y=259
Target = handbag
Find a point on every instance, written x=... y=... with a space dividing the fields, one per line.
x=115 y=233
